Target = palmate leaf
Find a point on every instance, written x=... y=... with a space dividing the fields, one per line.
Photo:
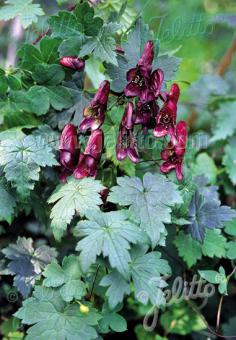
x=108 y=234
x=26 y=10
x=74 y=197
x=150 y=202
x=27 y=263
x=21 y=160
x=147 y=273
x=7 y=202
x=47 y=53
x=225 y=121
x=118 y=288
x=78 y=24
x=205 y=211
x=214 y=245
x=103 y=45
x=67 y=277
x=215 y=277
x=16 y=110
x=51 y=318
x=41 y=98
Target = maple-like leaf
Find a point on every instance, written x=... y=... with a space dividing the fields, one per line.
x=26 y=10
x=67 y=277
x=51 y=318
x=206 y=211
x=21 y=160
x=74 y=197
x=27 y=263
x=108 y=234
x=150 y=202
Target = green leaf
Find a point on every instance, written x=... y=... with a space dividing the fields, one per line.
x=229 y=159
x=188 y=248
x=67 y=277
x=30 y=55
x=71 y=46
x=7 y=202
x=78 y=23
x=14 y=82
x=22 y=160
x=25 y=10
x=76 y=196
x=60 y=97
x=17 y=111
x=103 y=45
x=48 y=74
x=118 y=288
x=230 y=227
x=150 y=202
x=146 y=271
x=181 y=319
x=231 y=250
x=49 y=49
x=52 y=318
x=225 y=121
x=205 y=165
x=168 y=64
x=109 y=234
x=85 y=16
x=112 y=321
x=3 y=85
x=39 y=98
x=215 y=277
x=27 y=263
x=65 y=25
x=214 y=244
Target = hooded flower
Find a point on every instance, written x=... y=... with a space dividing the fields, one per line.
x=126 y=143
x=69 y=147
x=166 y=119
x=88 y=161
x=146 y=114
x=73 y=63
x=174 y=152
x=94 y=113
x=143 y=83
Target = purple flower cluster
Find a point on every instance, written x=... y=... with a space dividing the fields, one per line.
x=73 y=161
x=146 y=85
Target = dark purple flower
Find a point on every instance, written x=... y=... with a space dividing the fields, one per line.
x=174 y=152
x=126 y=143
x=166 y=119
x=119 y=50
x=73 y=63
x=94 y=113
x=88 y=161
x=146 y=114
x=143 y=83
x=69 y=147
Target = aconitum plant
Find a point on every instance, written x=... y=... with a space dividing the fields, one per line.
x=99 y=195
